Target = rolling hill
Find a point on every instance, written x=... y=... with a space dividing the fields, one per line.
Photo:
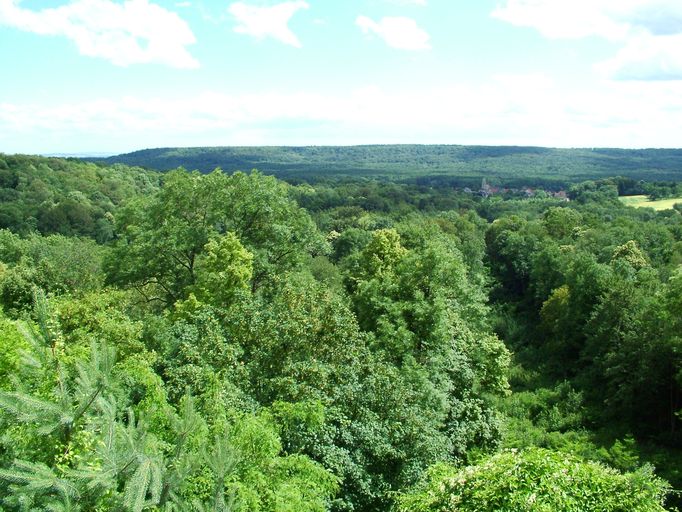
x=425 y=164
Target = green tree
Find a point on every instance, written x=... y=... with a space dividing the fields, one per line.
x=224 y=269
x=511 y=243
x=162 y=237
x=561 y=223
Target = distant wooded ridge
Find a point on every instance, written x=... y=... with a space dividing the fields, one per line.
x=423 y=164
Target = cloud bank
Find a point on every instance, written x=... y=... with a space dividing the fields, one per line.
x=517 y=110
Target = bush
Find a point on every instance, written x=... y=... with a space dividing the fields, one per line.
x=535 y=480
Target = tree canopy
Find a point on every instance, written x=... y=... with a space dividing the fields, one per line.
x=231 y=342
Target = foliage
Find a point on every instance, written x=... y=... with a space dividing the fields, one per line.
x=535 y=480
x=192 y=218
x=54 y=263
x=69 y=197
x=223 y=270
x=95 y=456
x=12 y=343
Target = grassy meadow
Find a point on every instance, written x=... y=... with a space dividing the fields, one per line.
x=642 y=201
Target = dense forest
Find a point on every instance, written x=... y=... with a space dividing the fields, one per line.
x=439 y=165
x=194 y=341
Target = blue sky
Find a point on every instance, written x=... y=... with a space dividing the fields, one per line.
x=110 y=76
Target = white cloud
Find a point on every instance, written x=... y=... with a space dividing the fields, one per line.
x=610 y=19
x=399 y=32
x=658 y=17
x=262 y=22
x=519 y=110
x=133 y=32
x=646 y=58
x=565 y=19
x=648 y=30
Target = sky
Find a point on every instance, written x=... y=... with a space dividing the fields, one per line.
x=112 y=76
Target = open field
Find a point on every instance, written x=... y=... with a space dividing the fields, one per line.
x=642 y=201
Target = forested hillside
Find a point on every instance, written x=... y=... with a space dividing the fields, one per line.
x=235 y=343
x=425 y=164
x=53 y=195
